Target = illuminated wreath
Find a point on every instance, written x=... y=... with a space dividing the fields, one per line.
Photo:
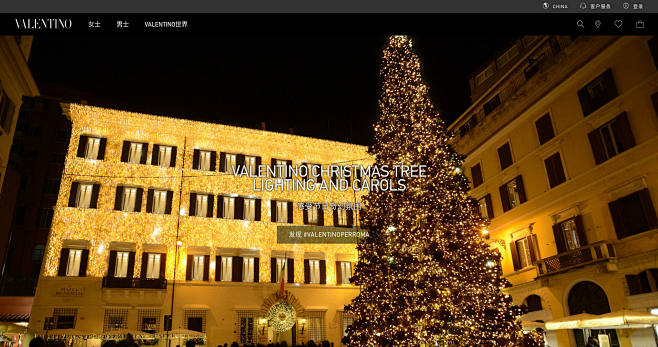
x=281 y=316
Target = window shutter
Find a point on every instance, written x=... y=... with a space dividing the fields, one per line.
x=218 y=268
x=192 y=204
x=63 y=261
x=94 y=195
x=319 y=172
x=155 y=154
x=320 y=216
x=609 y=84
x=101 y=148
x=145 y=150
x=82 y=146
x=335 y=213
x=125 y=151
x=222 y=162
x=476 y=174
x=305 y=216
x=559 y=169
x=625 y=131
x=131 y=265
x=323 y=272
x=617 y=219
x=188 y=270
x=307 y=271
x=73 y=194
x=357 y=177
x=290 y=212
x=149 y=201
x=163 y=265
x=206 y=267
x=307 y=175
x=633 y=285
x=334 y=179
x=582 y=235
x=515 y=255
x=487 y=200
x=273 y=165
x=256 y=269
x=350 y=218
x=559 y=239
x=531 y=248
x=550 y=171
x=649 y=210
x=195 y=159
x=145 y=262
x=174 y=152
x=170 y=198
x=84 y=260
x=273 y=209
x=597 y=146
x=654 y=100
x=220 y=206
x=585 y=102
x=273 y=272
x=238 y=213
x=237 y=269
x=213 y=161
x=339 y=275
x=138 y=199
x=504 y=198
x=544 y=129
x=519 y=187
x=211 y=205
x=291 y=270
x=505 y=156
x=257 y=210
x=112 y=264
x=239 y=161
x=288 y=172
x=118 y=198
x=258 y=161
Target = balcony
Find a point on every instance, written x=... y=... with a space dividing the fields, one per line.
x=590 y=254
x=140 y=283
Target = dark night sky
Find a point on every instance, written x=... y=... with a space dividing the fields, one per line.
x=286 y=81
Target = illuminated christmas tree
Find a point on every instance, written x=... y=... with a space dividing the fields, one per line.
x=427 y=277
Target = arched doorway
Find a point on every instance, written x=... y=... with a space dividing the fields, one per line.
x=588 y=297
x=292 y=308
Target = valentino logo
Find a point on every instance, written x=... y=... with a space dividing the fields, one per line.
x=43 y=23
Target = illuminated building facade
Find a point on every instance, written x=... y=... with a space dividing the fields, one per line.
x=561 y=145
x=147 y=199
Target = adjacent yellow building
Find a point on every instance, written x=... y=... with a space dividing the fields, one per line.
x=147 y=199
x=562 y=152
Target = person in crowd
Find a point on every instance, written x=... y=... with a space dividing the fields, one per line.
x=38 y=342
x=592 y=342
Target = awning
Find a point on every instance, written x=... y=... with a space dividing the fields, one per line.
x=14 y=317
x=569 y=322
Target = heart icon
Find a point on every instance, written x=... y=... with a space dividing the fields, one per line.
x=618 y=23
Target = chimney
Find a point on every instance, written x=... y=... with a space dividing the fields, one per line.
x=262 y=125
x=292 y=131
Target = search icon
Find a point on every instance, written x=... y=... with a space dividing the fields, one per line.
x=580 y=24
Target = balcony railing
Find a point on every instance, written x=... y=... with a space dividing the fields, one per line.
x=597 y=252
x=143 y=283
x=17 y=286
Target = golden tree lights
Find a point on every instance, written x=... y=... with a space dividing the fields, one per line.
x=425 y=271
x=104 y=225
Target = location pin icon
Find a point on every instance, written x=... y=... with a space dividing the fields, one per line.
x=597 y=23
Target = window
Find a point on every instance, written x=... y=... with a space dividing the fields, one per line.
x=468 y=126
x=62 y=136
x=204 y=160
x=129 y=195
x=148 y=320
x=91 y=152
x=633 y=214
x=34 y=130
x=509 y=55
x=597 y=93
x=345 y=272
x=314 y=268
x=227 y=269
x=73 y=265
x=248 y=269
x=485 y=208
x=570 y=234
x=30 y=153
x=135 y=153
x=197 y=268
x=488 y=72
x=282 y=212
x=64 y=318
x=528 y=39
x=476 y=173
x=44 y=217
x=51 y=186
x=19 y=215
x=84 y=195
x=57 y=158
x=611 y=139
x=533 y=303
x=505 y=156
x=342 y=217
x=512 y=193
x=115 y=320
x=25 y=179
x=312 y=216
x=39 y=252
x=249 y=209
x=544 y=129
x=247 y=329
x=347 y=321
x=121 y=269
x=159 y=201
x=6 y=112
x=230 y=162
x=316 y=330
x=555 y=170
x=644 y=282
x=491 y=105
x=229 y=207
x=195 y=320
x=281 y=168
x=280 y=263
x=202 y=205
x=250 y=164
x=153 y=266
x=524 y=255
x=164 y=156
x=38 y=106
